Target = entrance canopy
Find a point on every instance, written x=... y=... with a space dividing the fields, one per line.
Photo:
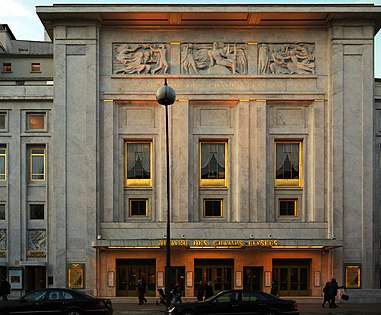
x=302 y=244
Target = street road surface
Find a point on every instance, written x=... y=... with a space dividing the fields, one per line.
x=305 y=309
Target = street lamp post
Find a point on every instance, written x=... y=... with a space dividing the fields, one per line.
x=166 y=96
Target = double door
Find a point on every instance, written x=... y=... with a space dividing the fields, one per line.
x=252 y=278
x=292 y=276
x=129 y=271
x=217 y=271
x=35 y=278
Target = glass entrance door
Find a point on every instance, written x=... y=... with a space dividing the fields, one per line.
x=292 y=276
x=217 y=271
x=129 y=271
x=252 y=278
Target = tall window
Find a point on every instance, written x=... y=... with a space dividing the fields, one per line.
x=3 y=164
x=138 y=161
x=37 y=164
x=288 y=163
x=213 y=168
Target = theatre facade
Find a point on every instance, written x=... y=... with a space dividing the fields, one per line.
x=272 y=142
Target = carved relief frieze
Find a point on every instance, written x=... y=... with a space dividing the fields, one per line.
x=286 y=58
x=36 y=243
x=135 y=58
x=213 y=58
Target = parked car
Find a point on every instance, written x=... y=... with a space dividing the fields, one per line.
x=57 y=301
x=238 y=302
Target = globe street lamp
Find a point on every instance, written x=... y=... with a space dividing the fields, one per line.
x=166 y=96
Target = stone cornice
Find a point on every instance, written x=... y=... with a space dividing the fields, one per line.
x=180 y=16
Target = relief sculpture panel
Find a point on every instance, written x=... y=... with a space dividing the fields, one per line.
x=140 y=59
x=213 y=58
x=3 y=243
x=286 y=58
x=36 y=243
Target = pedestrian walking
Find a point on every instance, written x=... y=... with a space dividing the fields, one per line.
x=208 y=290
x=274 y=289
x=141 y=292
x=332 y=291
x=5 y=288
x=326 y=294
x=176 y=294
x=144 y=290
x=200 y=291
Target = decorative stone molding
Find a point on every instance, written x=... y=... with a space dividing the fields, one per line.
x=136 y=58
x=213 y=58
x=286 y=58
x=36 y=243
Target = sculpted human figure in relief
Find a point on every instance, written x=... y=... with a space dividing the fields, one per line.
x=188 y=64
x=221 y=56
x=263 y=59
x=287 y=59
x=215 y=58
x=140 y=59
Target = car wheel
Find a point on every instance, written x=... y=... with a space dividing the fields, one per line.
x=73 y=312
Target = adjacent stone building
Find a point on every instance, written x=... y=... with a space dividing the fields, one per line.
x=273 y=142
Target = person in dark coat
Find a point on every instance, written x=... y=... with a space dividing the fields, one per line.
x=176 y=294
x=5 y=288
x=201 y=291
x=274 y=289
x=141 y=291
x=208 y=290
x=326 y=294
x=332 y=291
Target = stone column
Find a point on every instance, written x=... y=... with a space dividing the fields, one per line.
x=351 y=119
x=75 y=148
x=315 y=155
x=241 y=200
x=182 y=179
x=260 y=213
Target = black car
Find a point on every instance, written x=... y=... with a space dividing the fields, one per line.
x=57 y=301
x=238 y=302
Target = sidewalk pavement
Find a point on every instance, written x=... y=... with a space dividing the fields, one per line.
x=306 y=307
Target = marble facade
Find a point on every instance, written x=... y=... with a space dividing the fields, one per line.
x=245 y=75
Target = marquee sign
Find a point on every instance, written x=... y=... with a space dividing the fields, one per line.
x=220 y=243
x=301 y=244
